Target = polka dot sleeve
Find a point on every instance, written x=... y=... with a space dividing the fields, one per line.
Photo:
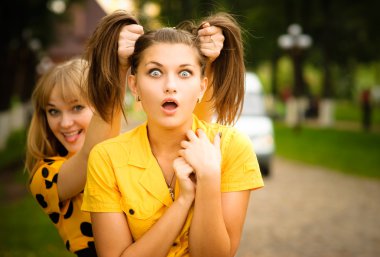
x=43 y=185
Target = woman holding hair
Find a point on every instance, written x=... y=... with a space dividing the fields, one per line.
x=175 y=185
x=64 y=128
x=62 y=132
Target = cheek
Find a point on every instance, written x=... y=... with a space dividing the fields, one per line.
x=52 y=123
x=87 y=118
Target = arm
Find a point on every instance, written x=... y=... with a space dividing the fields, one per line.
x=218 y=221
x=111 y=230
x=72 y=175
x=113 y=237
x=218 y=217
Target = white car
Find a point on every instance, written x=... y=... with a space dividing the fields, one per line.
x=255 y=122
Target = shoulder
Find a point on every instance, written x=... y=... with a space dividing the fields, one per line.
x=230 y=136
x=44 y=181
x=119 y=148
x=48 y=167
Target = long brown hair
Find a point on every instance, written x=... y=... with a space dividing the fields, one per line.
x=228 y=69
x=69 y=77
x=105 y=91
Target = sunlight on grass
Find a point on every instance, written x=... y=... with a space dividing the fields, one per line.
x=347 y=151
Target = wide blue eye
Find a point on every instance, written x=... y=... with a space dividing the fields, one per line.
x=155 y=73
x=185 y=73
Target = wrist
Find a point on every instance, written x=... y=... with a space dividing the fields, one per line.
x=185 y=201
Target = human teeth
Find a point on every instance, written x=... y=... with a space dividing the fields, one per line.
x=71 y=133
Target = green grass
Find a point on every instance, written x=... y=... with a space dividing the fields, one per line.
x=27 y=232
x=14 y=150
x=346 y=151
x=350 y=111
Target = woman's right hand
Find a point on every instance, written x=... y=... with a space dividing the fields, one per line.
x=126 y=43
x=184 y=174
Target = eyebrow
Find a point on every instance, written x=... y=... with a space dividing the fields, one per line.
x=71 y=102
x=161 y=65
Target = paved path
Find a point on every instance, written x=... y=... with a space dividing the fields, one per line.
x=308 y=211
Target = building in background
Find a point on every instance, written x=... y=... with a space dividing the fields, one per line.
x=73 y=35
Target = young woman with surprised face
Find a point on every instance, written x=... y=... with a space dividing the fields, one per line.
x=175 y=185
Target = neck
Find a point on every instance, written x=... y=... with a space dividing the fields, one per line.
x=166 y=142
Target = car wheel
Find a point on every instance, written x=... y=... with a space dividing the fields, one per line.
x=265 y=171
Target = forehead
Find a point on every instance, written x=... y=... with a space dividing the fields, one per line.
x=67 y=95
x=171 y=54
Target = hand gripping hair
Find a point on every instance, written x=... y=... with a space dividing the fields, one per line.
x=105 y=89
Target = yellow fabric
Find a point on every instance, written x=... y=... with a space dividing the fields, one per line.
x=124 y=176
x=74 y=226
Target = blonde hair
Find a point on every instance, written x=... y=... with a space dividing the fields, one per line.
x=69 y=78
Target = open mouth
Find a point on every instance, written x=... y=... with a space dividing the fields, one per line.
x=72 y=136
x=169 y=105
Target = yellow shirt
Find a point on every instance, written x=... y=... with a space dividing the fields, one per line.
x=124 y=176
x=74 y=226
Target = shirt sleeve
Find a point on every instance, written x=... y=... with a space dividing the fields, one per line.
x=240 y=168
x=43 y=185
x=101 y=193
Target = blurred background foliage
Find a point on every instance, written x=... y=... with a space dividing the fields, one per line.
x=343 y=58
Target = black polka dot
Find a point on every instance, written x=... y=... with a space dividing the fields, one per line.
x=60 y=204
x=69 y=210
x=54 y=217
x=174 y=244
x=131 y=211
x=68 y=245
x=55 y=178
x=91 y=249
x=49 y=161
x=45 y=172
x=91 y=245
x=41 y=200
x=86 y=229
x=48 y=184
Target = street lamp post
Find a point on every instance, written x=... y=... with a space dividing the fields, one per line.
x=296 y=43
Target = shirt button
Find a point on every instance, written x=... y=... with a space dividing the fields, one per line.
x=131 y=211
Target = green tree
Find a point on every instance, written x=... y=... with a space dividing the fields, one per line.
x=27 y=29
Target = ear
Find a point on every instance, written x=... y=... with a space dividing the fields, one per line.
x=204 y=83
x=132 y=85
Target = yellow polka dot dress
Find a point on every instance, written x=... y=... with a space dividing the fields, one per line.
x=74 y=226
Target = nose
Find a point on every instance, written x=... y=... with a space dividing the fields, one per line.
x=66 y=120
x=170 y=85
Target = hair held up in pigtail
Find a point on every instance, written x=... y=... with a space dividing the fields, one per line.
x=228 y=68
x=105 y=90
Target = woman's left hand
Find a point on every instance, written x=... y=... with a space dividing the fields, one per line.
x=211 y=38
x=201 y=154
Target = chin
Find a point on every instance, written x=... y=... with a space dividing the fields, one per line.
x=72 y=149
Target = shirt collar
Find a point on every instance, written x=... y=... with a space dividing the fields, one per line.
x=141 y=153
